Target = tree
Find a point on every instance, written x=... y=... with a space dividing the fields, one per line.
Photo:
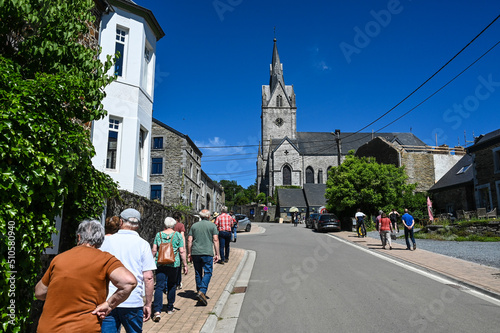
x=261 y=197
x=361 y=182
x=51 y=86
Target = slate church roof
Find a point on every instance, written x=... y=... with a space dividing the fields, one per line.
x=324 y=144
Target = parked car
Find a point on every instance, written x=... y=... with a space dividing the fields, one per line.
x=310 y=220
x=328 y=222
x=244 y=223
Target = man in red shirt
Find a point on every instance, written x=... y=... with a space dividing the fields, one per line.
x=224 y=223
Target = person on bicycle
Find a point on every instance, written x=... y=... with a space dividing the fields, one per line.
x=360 y=219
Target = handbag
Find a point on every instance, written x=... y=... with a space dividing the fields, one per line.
x=166 y=254
x=393 y=235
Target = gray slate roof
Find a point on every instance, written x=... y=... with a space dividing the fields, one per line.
x=315 y=194
x=451 y=179
x=323 y=143
x=289 y=197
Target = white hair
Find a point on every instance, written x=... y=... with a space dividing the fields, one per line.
x=169 y=222
x=205 y=214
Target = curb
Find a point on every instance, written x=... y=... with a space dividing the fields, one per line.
x=213 y=318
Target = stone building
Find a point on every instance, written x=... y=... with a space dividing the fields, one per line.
x=287 y=157
x=424 y=165
x=176 y=176
x=486 y=170
x=122 y=138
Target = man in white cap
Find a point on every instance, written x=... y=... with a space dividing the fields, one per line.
x=135 y=254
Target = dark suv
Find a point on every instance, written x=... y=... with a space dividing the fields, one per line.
x=328 y=222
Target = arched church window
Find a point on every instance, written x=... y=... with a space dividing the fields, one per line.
x=279 y=101
x=287 y=175
x=320 y=176
x=310 y=175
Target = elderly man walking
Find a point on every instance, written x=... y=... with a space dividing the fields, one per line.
x=224 y=223
x=409 y=223
x=135 y=254
x=203 y=241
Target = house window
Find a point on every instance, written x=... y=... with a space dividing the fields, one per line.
x=197 y=202
x=320 y=176
x=463 y=169
x=155 y=192
x=191 y=170
x=310 y=175
x=140 y=152
x=147 y=72
x=191 y=197
x=158 y=142
x=484 y=197
x=287 y=175
x=157 y=166
x=496 y=159
x=120 y=42
x=111 y=157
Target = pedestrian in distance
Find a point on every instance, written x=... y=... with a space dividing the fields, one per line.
x=167 y=275
x=179 y=227
x=203 y=251
x=75 y=285
x=234 y=234
x=385 y=229
x=224 y=223
x=360 y=223
x=377 y=224
x=135 y=254
x=394 y=216
x=409 y=223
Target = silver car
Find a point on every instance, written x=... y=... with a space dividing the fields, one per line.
x=243 y=222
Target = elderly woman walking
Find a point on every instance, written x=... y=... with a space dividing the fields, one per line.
x=166 y=275
x=385 y=229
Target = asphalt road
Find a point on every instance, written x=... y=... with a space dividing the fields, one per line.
x=304 y=281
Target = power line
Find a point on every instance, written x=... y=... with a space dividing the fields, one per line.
x=420 y=86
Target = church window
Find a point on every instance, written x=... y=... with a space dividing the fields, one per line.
x=287 y=175
x=279 y=121
x=279 y=101
x=310 y=175
x=320 y=176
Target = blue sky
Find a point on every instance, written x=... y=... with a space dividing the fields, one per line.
x=349 y=62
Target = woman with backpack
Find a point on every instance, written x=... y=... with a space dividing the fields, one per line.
x=166 y=275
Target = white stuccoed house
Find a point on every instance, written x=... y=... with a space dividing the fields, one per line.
x=122 y=139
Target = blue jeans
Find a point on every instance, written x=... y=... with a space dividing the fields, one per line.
x=224 y=241
x=203 y=267
x=130 y=318
x=166 y=279
x=409 y=233
x=235 y=232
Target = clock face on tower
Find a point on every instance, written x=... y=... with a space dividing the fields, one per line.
x=279 y=121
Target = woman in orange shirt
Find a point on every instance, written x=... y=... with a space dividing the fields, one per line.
x=385 y=230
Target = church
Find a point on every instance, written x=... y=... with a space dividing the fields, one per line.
x=290 y=158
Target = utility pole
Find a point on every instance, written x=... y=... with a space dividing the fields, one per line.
x=339 y=146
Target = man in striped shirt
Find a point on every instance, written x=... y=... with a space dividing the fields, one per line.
x=224 y=223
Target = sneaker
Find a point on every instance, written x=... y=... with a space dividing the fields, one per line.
x=170 y=312
x=226 y=260
x=414 y=246
x=383 y=247
x=156 y=317
x=220 y=262
x=390 y=247
x=179 y=286
x=202 y=298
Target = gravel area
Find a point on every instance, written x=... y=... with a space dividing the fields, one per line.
x=485 y=253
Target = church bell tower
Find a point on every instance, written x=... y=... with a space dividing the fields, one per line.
x=278 y=106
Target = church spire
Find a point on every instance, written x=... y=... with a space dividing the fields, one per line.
x=276 y=70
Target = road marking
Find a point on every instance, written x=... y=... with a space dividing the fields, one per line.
x=421 y=272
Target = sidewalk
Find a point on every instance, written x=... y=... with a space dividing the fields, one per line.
x=189 y=316
x=472 y=275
